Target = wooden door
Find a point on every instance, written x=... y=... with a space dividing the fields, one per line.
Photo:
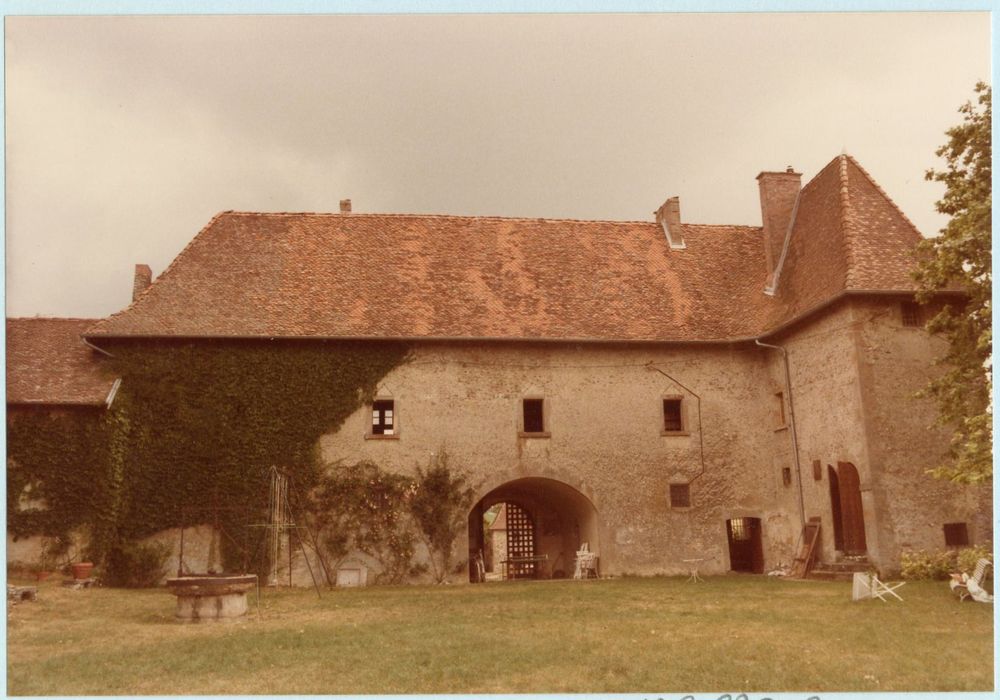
x=852 y=512
x=838 y=519
x=520 y=542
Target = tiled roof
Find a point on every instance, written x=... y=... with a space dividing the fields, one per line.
x=48 y=363
x=847 y=236
x=410 y=276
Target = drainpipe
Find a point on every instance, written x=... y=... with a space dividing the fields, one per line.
x=791 y=418
x=91 y=345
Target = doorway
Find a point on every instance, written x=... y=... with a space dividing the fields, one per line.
x=847 y=509
x=530 y=528
x=746 y=548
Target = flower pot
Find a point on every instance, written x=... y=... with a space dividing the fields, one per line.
x=42 y=575
x=81 y=571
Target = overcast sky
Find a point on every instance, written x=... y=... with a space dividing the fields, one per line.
x=125 y=135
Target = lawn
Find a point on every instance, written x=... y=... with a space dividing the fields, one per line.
x=730 y=633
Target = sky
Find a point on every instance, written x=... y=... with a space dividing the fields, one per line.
x=125 y=135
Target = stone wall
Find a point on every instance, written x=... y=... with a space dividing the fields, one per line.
x=604 y=420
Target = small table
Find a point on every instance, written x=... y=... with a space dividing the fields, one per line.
x=521 y=560
x=693 y=566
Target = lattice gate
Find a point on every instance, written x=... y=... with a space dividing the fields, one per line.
x=520 y=542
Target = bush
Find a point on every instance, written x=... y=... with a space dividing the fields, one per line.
x=921 y=565
x=440 y=505
x=968 y=557
x=136 y=565
x=362 y=507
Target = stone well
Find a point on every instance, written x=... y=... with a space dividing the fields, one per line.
x=211 y=597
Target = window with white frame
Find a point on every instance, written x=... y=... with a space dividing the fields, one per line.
x=383 y=417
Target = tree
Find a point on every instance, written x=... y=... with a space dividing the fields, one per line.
x=961 y=256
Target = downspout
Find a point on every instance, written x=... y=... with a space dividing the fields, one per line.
x=701 y=439
x=791 y=418
x=94 y=347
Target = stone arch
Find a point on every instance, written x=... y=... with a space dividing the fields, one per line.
x=562 y=515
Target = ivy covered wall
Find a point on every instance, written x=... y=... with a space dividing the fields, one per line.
x=195 y=424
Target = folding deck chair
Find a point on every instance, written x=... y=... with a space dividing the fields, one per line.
x=966 y=586
x=869 y=586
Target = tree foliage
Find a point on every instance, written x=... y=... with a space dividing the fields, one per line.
x=961 y=256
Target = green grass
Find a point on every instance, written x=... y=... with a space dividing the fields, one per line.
x=732 y=633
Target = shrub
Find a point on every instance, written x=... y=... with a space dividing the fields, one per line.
x=440 y=505
x=362 y=507
x=136 y=565
x=968 y=557
x=922 y=565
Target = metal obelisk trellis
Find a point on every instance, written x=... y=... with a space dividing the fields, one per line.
x=281 y=525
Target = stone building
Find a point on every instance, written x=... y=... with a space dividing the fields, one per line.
x=662 y=390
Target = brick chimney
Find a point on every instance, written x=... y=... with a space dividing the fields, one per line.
x=143 y=278
x=779 y=193
x=669 y=217
x=345 y=206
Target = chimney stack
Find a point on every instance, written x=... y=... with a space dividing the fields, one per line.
x=779 y=193
x=143 y=278
x=345 y=206
x=669 y=217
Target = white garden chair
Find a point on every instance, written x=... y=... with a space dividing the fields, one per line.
x=966 y=586
x=869 y=586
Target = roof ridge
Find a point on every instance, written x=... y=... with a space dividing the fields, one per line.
x=52 y=318
x=102 y=322
x=395 y=215
x=847 y=231
x=497 y=217
x=882 y=192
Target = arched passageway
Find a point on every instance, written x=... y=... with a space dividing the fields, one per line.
x=531 y=528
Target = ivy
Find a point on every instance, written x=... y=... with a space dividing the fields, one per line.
x=191 y=436
x=55 y=466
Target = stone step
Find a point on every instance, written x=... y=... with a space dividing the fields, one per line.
x=846 y=566
x=841 y=570
x=831 y=574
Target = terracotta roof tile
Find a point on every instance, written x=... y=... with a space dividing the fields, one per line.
x=379 y=275
x=418 y=276
x=48 y=363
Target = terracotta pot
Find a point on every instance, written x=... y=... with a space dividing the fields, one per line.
x=42 y=575
x=81 y=571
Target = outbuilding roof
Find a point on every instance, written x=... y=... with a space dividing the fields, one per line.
x=48 y=363
x=351 y=275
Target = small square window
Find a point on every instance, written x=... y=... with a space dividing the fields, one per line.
x=383 y=418
x=534 y=418
x=956 y=535
x=680 y=495
x=911 y=314
x=673 y=417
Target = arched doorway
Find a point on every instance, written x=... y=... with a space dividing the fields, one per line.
x=531 y=528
